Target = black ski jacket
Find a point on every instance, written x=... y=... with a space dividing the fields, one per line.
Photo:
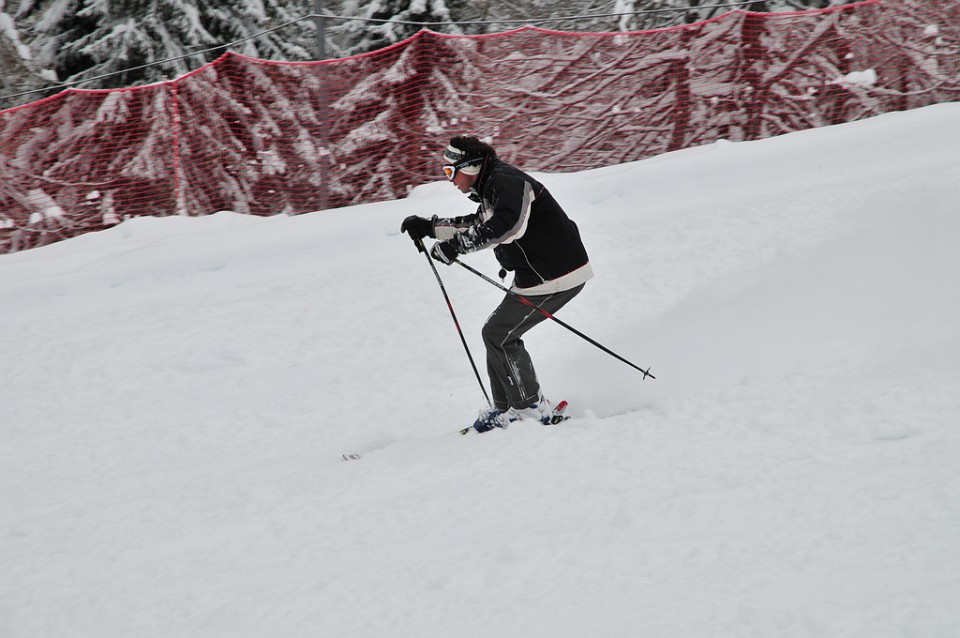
x=530 y=233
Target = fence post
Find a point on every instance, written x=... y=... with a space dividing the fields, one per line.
x=750 y=73
x=323 y=106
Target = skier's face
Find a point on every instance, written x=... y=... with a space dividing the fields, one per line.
x=464 y=182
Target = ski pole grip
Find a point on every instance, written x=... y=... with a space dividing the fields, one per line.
x=419 y=242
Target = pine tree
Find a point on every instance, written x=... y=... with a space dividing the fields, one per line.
x=382 y=23
x=19 y=72
x=100 y=37
x=357 y=35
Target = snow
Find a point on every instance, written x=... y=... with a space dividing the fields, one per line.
x=48 y=207
x=862 y=78
x=177 y=394
x=8 y=29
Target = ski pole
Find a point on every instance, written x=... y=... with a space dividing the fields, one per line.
x=433 y=267
x=646 y=373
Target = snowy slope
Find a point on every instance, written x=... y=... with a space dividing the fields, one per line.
x=176 y=394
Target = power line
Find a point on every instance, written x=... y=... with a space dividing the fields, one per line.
x=314 y=16
x=539 y=20
x=66 y=85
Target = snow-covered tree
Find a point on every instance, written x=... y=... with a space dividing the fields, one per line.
x=254 y=138
x=383 y=23
x=82 y=39
x=90 y=38
x=347 y=37
x=19 y=72
x=399 y=100
x=82 y=160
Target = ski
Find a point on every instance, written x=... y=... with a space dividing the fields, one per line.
x=559 y=416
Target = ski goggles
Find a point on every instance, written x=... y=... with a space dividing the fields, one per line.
x=451 y=170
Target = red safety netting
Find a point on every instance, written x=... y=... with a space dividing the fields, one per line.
x=263 y=137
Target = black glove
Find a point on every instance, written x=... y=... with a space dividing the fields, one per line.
x=445 y=251
x=418 y=227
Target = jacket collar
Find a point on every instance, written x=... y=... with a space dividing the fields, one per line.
x=485 y=171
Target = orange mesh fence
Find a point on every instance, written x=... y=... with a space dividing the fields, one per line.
x=263 y=137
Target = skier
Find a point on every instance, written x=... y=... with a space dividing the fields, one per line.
x=531 y=236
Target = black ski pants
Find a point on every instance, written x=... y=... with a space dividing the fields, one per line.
x=513 y=380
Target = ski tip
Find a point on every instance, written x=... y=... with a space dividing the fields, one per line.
x=559 y=415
